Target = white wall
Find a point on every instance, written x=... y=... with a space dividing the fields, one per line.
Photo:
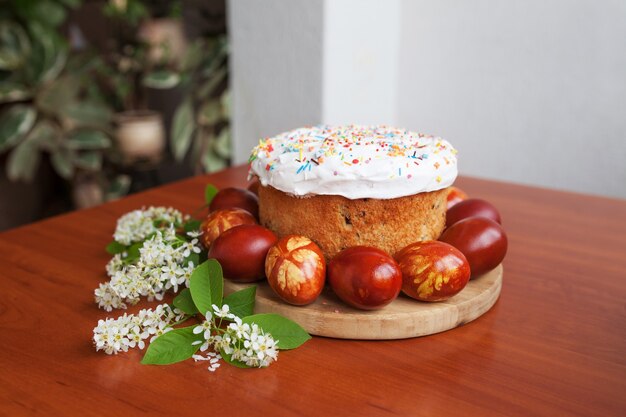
x=276 y=68
x=528 y=91
x=361 y=61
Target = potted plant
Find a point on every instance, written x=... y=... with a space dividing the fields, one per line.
x=200 y=127
x=49 y=109
x=150 y=52
x=147 y=40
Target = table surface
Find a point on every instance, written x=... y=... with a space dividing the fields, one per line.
x=553 y=345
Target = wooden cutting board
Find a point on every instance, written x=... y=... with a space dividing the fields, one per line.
x=403 y=318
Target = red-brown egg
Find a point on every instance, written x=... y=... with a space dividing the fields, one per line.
x=483 y=242
x=365 y=277
x=236 y=197
x=217 y=222
x=432 y=270
x=473 y=207
x=242 y=250
x=455 y=196
x=296 y=270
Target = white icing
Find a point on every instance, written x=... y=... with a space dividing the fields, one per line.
x=354 y=161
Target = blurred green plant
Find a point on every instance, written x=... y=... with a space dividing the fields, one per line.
x=47 y=102
x=127 y=57
x=201 y=121
x=132 y=11
x=200 y=127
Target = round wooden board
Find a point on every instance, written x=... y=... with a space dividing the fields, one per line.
x=403 y=318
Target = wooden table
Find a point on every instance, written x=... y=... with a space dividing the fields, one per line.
x=553 y=345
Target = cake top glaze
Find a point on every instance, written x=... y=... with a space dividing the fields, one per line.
x=354 y=161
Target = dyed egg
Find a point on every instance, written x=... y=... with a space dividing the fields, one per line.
x=455 y=196
x=483 y=242
x=365 y=277
x=473 y=207
x=242 y=250
x=219 y=221
x=432 y=271
x=236 y=197
x=296 y=270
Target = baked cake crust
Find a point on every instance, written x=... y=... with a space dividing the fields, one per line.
x=335 y=222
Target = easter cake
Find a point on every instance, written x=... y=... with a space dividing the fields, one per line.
x=345 y=186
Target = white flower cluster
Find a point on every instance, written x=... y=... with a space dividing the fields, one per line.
x=242 y=341
x=129 y=331
x=139 y=224
x=162 y=265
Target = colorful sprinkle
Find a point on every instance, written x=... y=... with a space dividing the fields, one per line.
x=308 y=149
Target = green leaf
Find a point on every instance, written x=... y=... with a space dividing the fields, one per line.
x=216 y=280
x=88 y=139
x=88 y=114
x=118 y=187
x=51 y=12
x=229 y=360
x=48 y=55
x=15 y=123
x=208 y=88
x=44 y=11
x=11 y=92
x=183 y=126
x=222 y=143
x=23 y=162
x=47 y=12
x=192 y=225
x=193 y=56
x=91 y=160
x=211 y=162
x=192 y=258
x=131 y=12
x=161 y=79
x=217 y=52
x=132 y=254
x=62 y=162
x=200 y=287
x=210 y=113
x=207 y=285
x=114 y=247
x=79 y=62
x=55 y=98
x=241 y=302
x=172 y=347
x=71 y=3
x=288 y=333
x=184 y=302
x=56 y=62
x=43 y=134
x=226 y=102
x=14 y=45
x=209 y=193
